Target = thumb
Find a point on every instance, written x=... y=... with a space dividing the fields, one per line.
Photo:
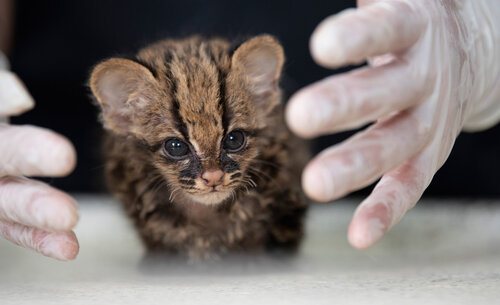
x=14 y=98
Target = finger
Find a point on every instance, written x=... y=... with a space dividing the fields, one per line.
x=35 y=204
x=351 y=100
x=397 y=192
x=14 y=98
x=59 y=245
x=34 y=151
x=364 y=157
x=354 y=35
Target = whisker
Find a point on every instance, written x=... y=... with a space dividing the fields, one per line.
x=234 y=182
x=154 y=182
x=173 y=194
x=259 y=173
x=162 y=183
x=253 y=182
x=248 y=183
x=275 y=165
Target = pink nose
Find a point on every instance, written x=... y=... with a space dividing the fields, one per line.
x=212 y=177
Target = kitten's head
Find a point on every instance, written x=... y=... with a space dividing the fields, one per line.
x=197 y=105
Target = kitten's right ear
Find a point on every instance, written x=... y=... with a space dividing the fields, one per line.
x=259 y=61
x=123 y=88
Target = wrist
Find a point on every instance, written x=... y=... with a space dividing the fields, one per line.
x=482 y=18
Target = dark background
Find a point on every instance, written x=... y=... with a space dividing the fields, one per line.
x=57 y=42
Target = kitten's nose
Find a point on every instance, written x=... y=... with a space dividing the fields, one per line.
x=212 y=177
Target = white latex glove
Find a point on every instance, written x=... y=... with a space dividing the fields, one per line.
x=33 y=214
x=434 y=68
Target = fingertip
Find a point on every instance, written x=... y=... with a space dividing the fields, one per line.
x=59 y=245
x=62 y=153
x=70 y=248
x=37 y=151
x=311 y=112
x=368 y=225
x=57 y=211
x=297 y=114
x=326 y=44
x=331 y=44
x=14 y=95
x=48 y=153
x=62 y=246
x=354 y=35
x=317 y=182
x=359 y=237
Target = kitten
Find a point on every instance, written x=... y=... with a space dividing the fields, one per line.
x=197 y=149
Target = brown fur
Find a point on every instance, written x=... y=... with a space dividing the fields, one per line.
x=198 y=91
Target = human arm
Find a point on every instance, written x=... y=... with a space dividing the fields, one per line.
x=32 y=213
x=434 y=69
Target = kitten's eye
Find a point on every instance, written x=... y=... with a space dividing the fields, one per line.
x=234 y=141
x=176 y=148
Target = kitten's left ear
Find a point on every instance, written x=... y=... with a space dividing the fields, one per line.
x=260 y=61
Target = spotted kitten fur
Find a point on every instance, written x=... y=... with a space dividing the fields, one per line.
x=196 y=146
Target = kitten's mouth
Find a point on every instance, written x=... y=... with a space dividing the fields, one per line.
x=212 y=197
x=214 y=190
x=210 y=193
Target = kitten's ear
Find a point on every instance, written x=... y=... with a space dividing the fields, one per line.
x=260 y=60
x=123 y=88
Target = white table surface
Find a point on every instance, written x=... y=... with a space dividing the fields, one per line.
x=439 y=254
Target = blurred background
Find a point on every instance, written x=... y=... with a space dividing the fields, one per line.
x=56 y=43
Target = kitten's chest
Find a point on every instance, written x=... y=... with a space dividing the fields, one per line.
x=197 y=213
x=242 y=214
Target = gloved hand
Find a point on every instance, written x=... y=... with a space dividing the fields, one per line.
x=434 y=68
x=33 y=214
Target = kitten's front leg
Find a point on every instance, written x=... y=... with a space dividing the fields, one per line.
x=286 y=227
